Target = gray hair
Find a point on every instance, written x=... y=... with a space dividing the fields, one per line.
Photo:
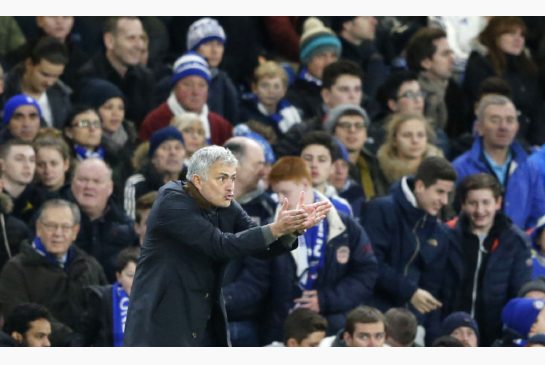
x=205 y=157
x=60 y=203
x=87 y=161
x=490 y=99
x=185 y=120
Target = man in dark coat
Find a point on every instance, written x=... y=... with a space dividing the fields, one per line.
x=410 y=242
x=489 y=257
x=193 y=230
x=50 y=270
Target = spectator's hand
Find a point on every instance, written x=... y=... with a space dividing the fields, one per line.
x=309 y=300
x=288 y=221
x=424 y=302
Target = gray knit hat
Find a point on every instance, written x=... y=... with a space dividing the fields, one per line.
x=533 y=285
x=202 y=31
x=334 y=114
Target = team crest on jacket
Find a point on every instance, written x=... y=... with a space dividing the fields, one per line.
x=432 y=242
x=343 y=254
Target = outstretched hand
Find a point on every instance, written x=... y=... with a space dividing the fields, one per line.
x=316 y=211
x=288 y=221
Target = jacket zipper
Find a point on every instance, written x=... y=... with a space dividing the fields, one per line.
x=417 y=245
x=476 y=277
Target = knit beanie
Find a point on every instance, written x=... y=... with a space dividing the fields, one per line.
x=341 y=151
x=456 y=320
x=163 y=135
x=15 y=102
x=96 y=92
x=519 y=314
x=317 y=38
x=202 y=31
x=190 y=64
x=334 y=114
x=533 y=285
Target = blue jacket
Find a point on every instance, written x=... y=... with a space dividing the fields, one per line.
x=500 y=269
x=524 y=196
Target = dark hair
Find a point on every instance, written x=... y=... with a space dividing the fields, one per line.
x=362 y=314
x=434 y=168
x=337 y=69
x=421 y=46
x=22 y=315
x=495 y=85
x=401 y=325
x=76 y=110
x=126 y=255
x=237 y=147
x=144 y=202
x=301 y=323
x=495 y=27
x=389 y=89
x=51 y=50
x=447 y=341
x=6 y=146
x=323 y=139
x=110 y=25
x=477 y=182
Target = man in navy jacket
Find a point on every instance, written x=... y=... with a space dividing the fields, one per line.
x=410 y=243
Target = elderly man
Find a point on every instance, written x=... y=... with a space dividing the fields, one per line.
x=21 y=119
x=190 y=81
x=193 y=230
x=496 y=152
x=51 y=270
x=105 y=228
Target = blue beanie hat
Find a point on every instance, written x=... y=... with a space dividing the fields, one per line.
x=96 y=92
x=456 y=320
x=162 y=135
x=342 y=152
x=190 y=64
x=519 y=314
x=243 y=130
x=202 y=31
x=15 y=102
x=315 y=38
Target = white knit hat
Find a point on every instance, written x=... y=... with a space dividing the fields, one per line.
x=202 y=31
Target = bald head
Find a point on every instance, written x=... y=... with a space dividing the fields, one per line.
x=251 y=163
x=92 y=186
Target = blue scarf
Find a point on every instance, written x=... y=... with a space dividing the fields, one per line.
x=277 y=116
x=83 y=153
x=120 y=305
x=40 y=248
x=315 y=241
x=305 y=75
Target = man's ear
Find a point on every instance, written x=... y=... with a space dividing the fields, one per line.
x=426 y=63
x=347 y=338
x=108 y=39
x=197 y=181
x=392 y=105
x=292 y=342
x=17 y=337
x=419 y=186
x=325 y=93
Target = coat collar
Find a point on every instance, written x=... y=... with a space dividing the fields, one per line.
x=192 y=191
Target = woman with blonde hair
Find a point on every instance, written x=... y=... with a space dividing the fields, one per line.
x=191 y=128
x=409 y=140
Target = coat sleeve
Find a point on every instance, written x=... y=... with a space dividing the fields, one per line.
x=521 y=272
x=187 y=226
x=12 y=288
x=537 y=199
x=356 y=287
x=381 y=230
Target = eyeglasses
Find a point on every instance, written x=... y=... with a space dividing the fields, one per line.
x=348 y=125
x=87 y=124
x=52 y=227
x=413 y=95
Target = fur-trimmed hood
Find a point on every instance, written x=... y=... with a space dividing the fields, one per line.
x=395 y=168
x=6 y=203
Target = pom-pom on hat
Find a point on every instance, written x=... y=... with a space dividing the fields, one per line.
x=190 y=64
x=202 y=31
x=316 y=38
x=519 y=314
x=17 y=101
x=162 y=135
